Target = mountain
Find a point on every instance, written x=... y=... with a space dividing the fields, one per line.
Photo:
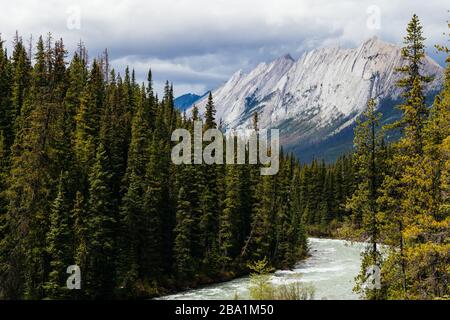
x=315 y=100
x=186 y=100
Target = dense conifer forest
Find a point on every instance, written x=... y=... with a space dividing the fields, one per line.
x=86 y=178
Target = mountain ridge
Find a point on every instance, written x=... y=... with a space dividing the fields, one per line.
x=317 y=96
x=185 y=101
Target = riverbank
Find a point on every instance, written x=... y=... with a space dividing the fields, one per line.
x=330 y=268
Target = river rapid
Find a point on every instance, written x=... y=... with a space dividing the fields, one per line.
x=330 y=269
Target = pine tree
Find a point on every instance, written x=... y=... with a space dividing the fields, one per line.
x=230 y=219
x=80 y=236
x=115 y=130
x=154 y=210
x=407 y=198
x=100 y=225
x=328 y=189
x=195 y=115
x=34 y=168
x=87 y=119
x=414 y=108
x=6 y=133
x=150 y=109
x=132 y=244
x=58 y=244
x=261 y=236
x=21 y=78
x=162 y=175
x=209 y=223
x=183 y=237
x=6 y=112
x=284 y=215
x=298 y=243
x=210 y=121
x=426 y=250
x=368 y=159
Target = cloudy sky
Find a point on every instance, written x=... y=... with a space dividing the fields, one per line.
x=198 y=44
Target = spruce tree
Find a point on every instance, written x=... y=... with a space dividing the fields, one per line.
x=414 y=109
x=230 y=219
x=183 y=237
x=133 y=216
x=21 y=78
x=405 y=192
x=80 y=236
x=154 y=212
x=100 y=224
x=6 y=112
x=210 y=113
x=368 y=159
x=88 y=108
x=59 y=241
x=34 y=168
x=426 y=250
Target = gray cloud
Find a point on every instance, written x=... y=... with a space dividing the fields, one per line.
x=199 y=44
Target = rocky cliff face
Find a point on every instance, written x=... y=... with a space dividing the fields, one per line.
x=316 y=99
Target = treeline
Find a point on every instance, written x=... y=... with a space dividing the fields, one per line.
x=86 y=179
x=402 y=198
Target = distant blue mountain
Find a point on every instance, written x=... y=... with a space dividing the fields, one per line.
x=186 y=100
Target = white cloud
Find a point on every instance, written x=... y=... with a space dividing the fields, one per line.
x=199 y=43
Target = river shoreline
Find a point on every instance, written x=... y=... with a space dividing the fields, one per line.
x=330 y=268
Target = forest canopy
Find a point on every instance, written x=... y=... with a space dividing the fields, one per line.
x=86 y=179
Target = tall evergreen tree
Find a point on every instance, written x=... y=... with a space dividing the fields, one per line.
x=100 y=224
x=6 y=116
x=210 y=113
x=406 y=193
x=133 y=215
x=35 y=165
x=368 y=159
x=414 y=108
x=230 y=219
x=59 y=241
x=183 y=236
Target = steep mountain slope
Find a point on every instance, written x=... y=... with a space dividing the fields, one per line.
x=186 y=100
x=315 y=100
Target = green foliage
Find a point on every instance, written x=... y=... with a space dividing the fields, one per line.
x=58 y=243
x=101 y=225
x=411 y=191
x=410 y=212
x=262 y=289
x=183 y=236
x=86 y=178
x=369 y=162
x=210 y=121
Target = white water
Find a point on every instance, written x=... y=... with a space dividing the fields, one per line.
x=330 y=269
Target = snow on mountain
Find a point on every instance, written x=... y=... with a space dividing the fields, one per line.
x=316 y=97
x=234 y=97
